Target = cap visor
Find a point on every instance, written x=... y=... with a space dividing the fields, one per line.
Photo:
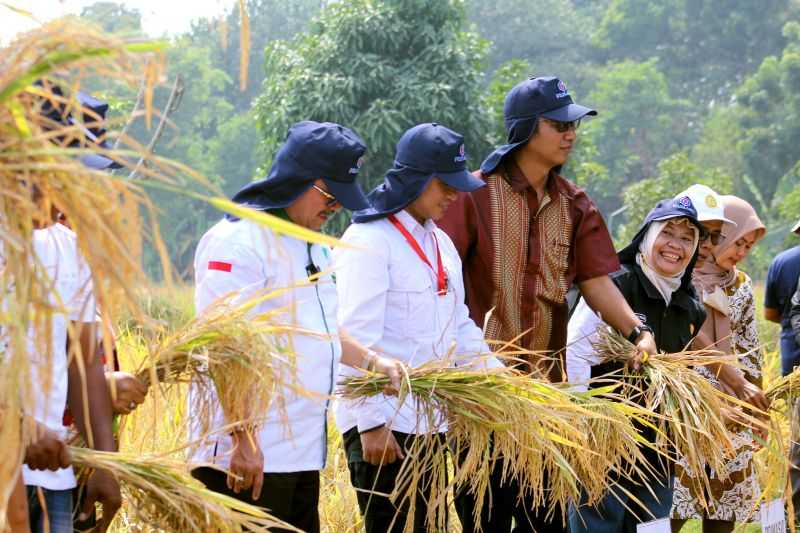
x=569 y=112
x=99 y=162
x=349 y=194
x=707 y=218
x=462 y=180
x=796 y=228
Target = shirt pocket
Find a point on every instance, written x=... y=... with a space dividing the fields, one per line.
x=410 y=304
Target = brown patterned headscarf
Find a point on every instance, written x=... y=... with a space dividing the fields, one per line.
x=710 y=280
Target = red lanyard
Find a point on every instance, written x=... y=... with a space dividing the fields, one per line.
x=441 y=275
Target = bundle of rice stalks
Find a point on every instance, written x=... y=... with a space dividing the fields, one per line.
x=161 y=493
x=235 y=360
x=785 y=388
x=542 y=431
x=688 y=411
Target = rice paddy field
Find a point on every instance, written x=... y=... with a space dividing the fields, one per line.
x=159 y=424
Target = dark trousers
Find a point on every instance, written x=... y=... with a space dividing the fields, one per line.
x=501 y=503
x=292 y=497
x=380 y=514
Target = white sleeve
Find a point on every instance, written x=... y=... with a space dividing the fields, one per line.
x=581 y=332
x=222 y=268
x=362 y=280
x=82 y=307
x=471 y=347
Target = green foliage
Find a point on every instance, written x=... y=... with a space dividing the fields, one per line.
x=675 y=174
x=379 y=68
x=113 y=17
x=705 y=47
x=638 y=124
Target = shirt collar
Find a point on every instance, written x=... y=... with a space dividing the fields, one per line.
x=411 y=224
x=519 y=183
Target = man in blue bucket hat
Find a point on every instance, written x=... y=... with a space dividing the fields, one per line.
x=400 y=291
x=313 y=175
x=524 y=239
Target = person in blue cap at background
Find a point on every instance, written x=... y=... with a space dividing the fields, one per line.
x=313 y=175
x=401 y=292
x=524 y=240
x=656 y=280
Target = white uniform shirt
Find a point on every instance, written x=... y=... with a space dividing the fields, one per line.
x=388 y=302
x=56 y=248
x=581 y=333
x=245 y=257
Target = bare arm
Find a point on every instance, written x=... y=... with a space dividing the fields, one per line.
x=90 y=402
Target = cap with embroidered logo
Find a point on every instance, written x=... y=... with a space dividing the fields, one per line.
x=709 y=204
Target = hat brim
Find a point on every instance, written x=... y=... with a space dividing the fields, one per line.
x=461 y=180
x=796 y=228
x=569 y=112
x=707 y=218
x=349 y=194
x=99 y=162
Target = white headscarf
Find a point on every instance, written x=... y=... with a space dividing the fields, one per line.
x=666 y=285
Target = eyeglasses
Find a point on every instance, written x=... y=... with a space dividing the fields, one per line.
x=715 y=236
x=330 y=200
x=564 y=127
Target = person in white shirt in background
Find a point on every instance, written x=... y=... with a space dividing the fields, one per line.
x=401 y=293
x=48 y=476
x=313 y=175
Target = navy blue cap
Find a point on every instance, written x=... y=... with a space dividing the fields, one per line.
x=533 y=98
x=681 y=207
x=93 y=114
x=424 y=151
x=312 y=151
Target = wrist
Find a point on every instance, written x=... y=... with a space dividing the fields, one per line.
x=637 y=332
x=370 y=360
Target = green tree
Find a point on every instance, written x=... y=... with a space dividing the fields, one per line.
x=638 y=124
x=705 y=47
x=379 y=68
x=114 y=17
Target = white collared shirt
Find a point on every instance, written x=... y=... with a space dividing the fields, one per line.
x=581 y=355
x=246 y=258
x=388 y=301
x=56 y=249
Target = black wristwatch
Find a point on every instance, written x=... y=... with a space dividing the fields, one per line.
x=638 y=330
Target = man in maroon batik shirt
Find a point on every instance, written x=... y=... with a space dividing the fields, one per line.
x=524 y=240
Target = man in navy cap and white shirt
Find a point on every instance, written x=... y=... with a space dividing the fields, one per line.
x=312 y=176
x=401 y=292
x=525 y=239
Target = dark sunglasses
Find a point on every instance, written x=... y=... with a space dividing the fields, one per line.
x=564 y=127
x=715 y=236
x=330 y=200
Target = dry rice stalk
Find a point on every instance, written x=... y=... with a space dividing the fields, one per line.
x=163 y=494
x=540 y=429
x=785 y=387
x=236 y=359
x=688 y=410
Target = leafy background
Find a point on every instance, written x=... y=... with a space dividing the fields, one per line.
x=688 y=91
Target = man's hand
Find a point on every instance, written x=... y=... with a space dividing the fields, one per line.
x=47 y=452
x=247 y=465
x=751 y=394
x=645 y=347
x=102 y=488
x=130 y=392
x=393 y=369
x=379 y=447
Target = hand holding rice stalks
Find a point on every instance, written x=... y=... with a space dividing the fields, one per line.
x=785 y=387
x=541 y=430
x=687 y=409
x=234 y=359
x=163 y=494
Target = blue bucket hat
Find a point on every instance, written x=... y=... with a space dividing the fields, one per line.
x=93 y=113
x=424 y=151
x=312 y=151
x=533 y=98
x=680 y=207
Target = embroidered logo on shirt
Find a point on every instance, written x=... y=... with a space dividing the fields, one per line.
x=220 y=265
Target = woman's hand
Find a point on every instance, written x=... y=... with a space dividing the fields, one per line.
x=393 y=369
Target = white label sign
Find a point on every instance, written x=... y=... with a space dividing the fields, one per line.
x=773 y=519
x=661 y=525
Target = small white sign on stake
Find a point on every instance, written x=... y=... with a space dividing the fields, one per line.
x=661 y=525
x=773 y=519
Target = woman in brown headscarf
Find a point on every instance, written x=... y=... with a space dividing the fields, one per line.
x=730 y=326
